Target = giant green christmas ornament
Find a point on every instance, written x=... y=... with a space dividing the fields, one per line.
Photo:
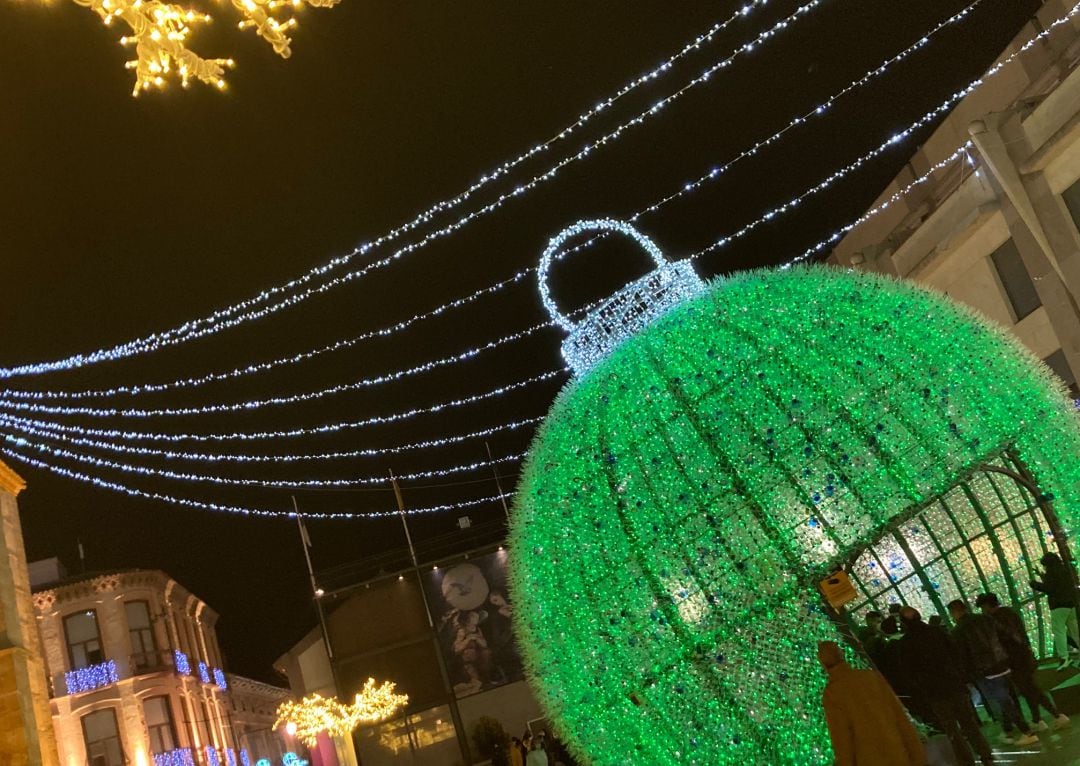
x=721 y=449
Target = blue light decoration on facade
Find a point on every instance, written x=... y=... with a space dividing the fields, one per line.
x=212 y=757
x=245 y=759
x=204 y=673
x=292 y=759
x=219 y=679
x=91 y=677
x=263 y=762
x=180 y=660
x=181 y=756
x=230 y=757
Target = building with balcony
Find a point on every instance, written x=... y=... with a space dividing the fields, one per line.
x=997 y=228
x=137 y=677
x=253 y=709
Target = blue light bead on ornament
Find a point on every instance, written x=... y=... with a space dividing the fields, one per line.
x=204 y=673
x=219 y=679
x=213 y=758
x=245 y=757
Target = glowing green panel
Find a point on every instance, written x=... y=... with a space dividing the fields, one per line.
x=684 y=497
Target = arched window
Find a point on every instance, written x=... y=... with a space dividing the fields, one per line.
x=83 y=639
x=159 y=723
x=103 y=746
x=141 y=634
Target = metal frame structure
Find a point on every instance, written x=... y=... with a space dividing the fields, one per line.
x=985 y=534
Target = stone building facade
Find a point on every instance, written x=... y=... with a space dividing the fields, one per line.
x=997 y=229
x=136 y=676
x=253 y=709
x=26 y=733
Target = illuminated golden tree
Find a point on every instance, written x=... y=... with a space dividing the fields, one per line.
x=376 y=702
x=316 y=714
x=313 y=715
x=159 y=33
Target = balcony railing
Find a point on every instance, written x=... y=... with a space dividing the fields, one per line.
x=202 y=671
x=151 y=662
x=181 y=756
x=91 y=677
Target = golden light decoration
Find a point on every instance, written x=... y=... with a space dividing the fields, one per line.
x=159 y=33
x=377 y=702
x=316 y=714
x=312 y=715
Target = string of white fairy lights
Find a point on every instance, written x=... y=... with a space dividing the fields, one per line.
x=231 y=317
x=51 y=431
x=267 y=512
x=255 y=404
x=356 y=481
x=329 y=428
x=57 y=432
x=687 y=188
x=716 y=245
x=187 y=502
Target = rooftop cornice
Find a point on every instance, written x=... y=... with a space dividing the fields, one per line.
x=10 y=481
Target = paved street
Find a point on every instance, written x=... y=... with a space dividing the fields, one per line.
x=1059 y=748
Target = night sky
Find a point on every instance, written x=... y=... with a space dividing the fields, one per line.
x=120 y=217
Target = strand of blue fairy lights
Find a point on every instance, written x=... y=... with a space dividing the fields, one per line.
x=265 y=512
x=232 y=317
x=255 y=404
x=687 y=188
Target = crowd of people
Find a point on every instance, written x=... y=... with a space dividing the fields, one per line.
x=540 y=750
x=936 y=672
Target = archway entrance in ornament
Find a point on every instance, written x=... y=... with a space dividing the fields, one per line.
x=984 y=535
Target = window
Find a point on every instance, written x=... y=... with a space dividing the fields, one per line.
x=1072 y=201
x=160 y=724
x=1015 y=279
x=83 y=639
x=141 y=633
x=1060 y=365
x=102 y=739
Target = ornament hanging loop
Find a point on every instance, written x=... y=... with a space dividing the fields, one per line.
x=627 y=311
x=584 y=227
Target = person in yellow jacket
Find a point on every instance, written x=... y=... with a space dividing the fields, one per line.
x=517 y=757
x=867 y=724
x=516 y=752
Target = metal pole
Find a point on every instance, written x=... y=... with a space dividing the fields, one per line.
x=305 y=543
x=455 y=713
x=316 y=593
x=498 y=483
